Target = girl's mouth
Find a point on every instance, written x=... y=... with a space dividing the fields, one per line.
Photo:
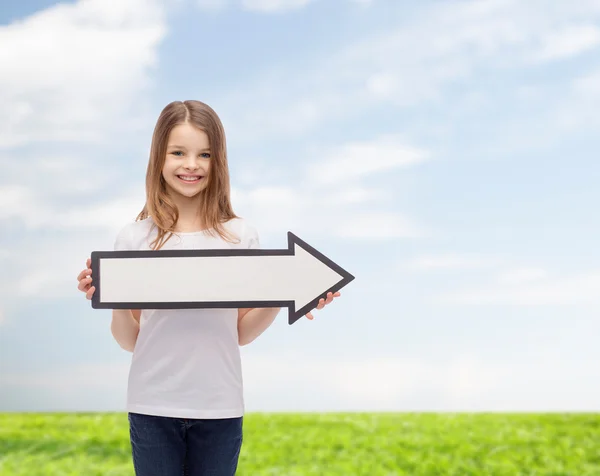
x=190 y=178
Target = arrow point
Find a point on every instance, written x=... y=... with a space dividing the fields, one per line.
x=317 y=276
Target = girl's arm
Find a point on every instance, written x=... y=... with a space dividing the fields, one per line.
x=125 y=327
x=253 y=322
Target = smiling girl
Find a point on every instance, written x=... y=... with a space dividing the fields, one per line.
x=185 y=393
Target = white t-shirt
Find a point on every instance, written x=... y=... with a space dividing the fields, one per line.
x=186 y=362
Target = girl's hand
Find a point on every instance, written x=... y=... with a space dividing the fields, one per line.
x=85 y=281
x=323 y=303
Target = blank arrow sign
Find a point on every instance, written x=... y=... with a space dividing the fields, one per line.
x=296 y=278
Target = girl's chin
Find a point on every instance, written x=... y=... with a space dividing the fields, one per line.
x=187 y=192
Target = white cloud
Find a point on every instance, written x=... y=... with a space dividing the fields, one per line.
x=328 y=195
x=35 y=211
x=49 y=269
x=110 y=215
x=453 y=261
x=578 y=289
x=301 y=382
x=578 y=106
x=521 y=275
x=90 y=375
x=568 y=42
x=382 y=85
x=72 y=73
x=50 y=178
x=69 y=70
x=211 y=4
x=73 y=223
x=413 y=63
x=373 y=225
x=461 y=382
x=588 y=85
x=81 y=387
x=364 y=384
x=266 y=6
x=356 y=160
x=357 y=194
x=271 y=6
x=16 y=201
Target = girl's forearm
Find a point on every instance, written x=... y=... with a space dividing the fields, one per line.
x=254 y=323
x=125 y=328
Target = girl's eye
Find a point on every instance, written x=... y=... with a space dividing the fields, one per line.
x=176 y=152
x=206 y=155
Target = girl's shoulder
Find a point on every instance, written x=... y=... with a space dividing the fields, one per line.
x=133 y=235
x=244 y=230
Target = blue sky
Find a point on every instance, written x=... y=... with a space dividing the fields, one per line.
x=442 y=152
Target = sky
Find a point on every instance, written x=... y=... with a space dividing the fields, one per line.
x=444 y=152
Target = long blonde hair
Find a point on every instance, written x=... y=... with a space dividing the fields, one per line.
x=215 y=203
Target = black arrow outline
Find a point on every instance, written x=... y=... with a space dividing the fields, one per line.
x=97 y=256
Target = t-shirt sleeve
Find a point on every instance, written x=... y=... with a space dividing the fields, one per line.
x=123 y=240
x=252 y=239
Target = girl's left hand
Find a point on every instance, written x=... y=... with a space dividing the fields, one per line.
x=323 y=303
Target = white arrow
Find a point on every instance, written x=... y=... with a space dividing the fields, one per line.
x=296 y=278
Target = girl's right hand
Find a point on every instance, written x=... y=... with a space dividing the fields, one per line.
x=85 y=280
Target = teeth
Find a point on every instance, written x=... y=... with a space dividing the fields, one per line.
x=188 y=178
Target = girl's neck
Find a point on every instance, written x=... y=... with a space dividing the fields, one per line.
x=189 y=218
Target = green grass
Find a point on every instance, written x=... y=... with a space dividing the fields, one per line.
x=326 y=444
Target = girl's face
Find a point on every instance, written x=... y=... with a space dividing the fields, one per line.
x=187 y=163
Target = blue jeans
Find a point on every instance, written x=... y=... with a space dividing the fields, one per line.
x=164 y=446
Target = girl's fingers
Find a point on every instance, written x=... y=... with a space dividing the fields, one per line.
x=323 y=302
x=84 y=284
x=330 y=297
x=85 y=280
x=90 y=293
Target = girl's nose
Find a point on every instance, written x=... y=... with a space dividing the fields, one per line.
x=191 y=163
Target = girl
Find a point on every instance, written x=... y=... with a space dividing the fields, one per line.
x=185 y=394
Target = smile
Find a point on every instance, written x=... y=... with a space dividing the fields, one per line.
x=190 y=178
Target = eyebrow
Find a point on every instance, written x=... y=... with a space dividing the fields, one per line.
x=175 y=146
